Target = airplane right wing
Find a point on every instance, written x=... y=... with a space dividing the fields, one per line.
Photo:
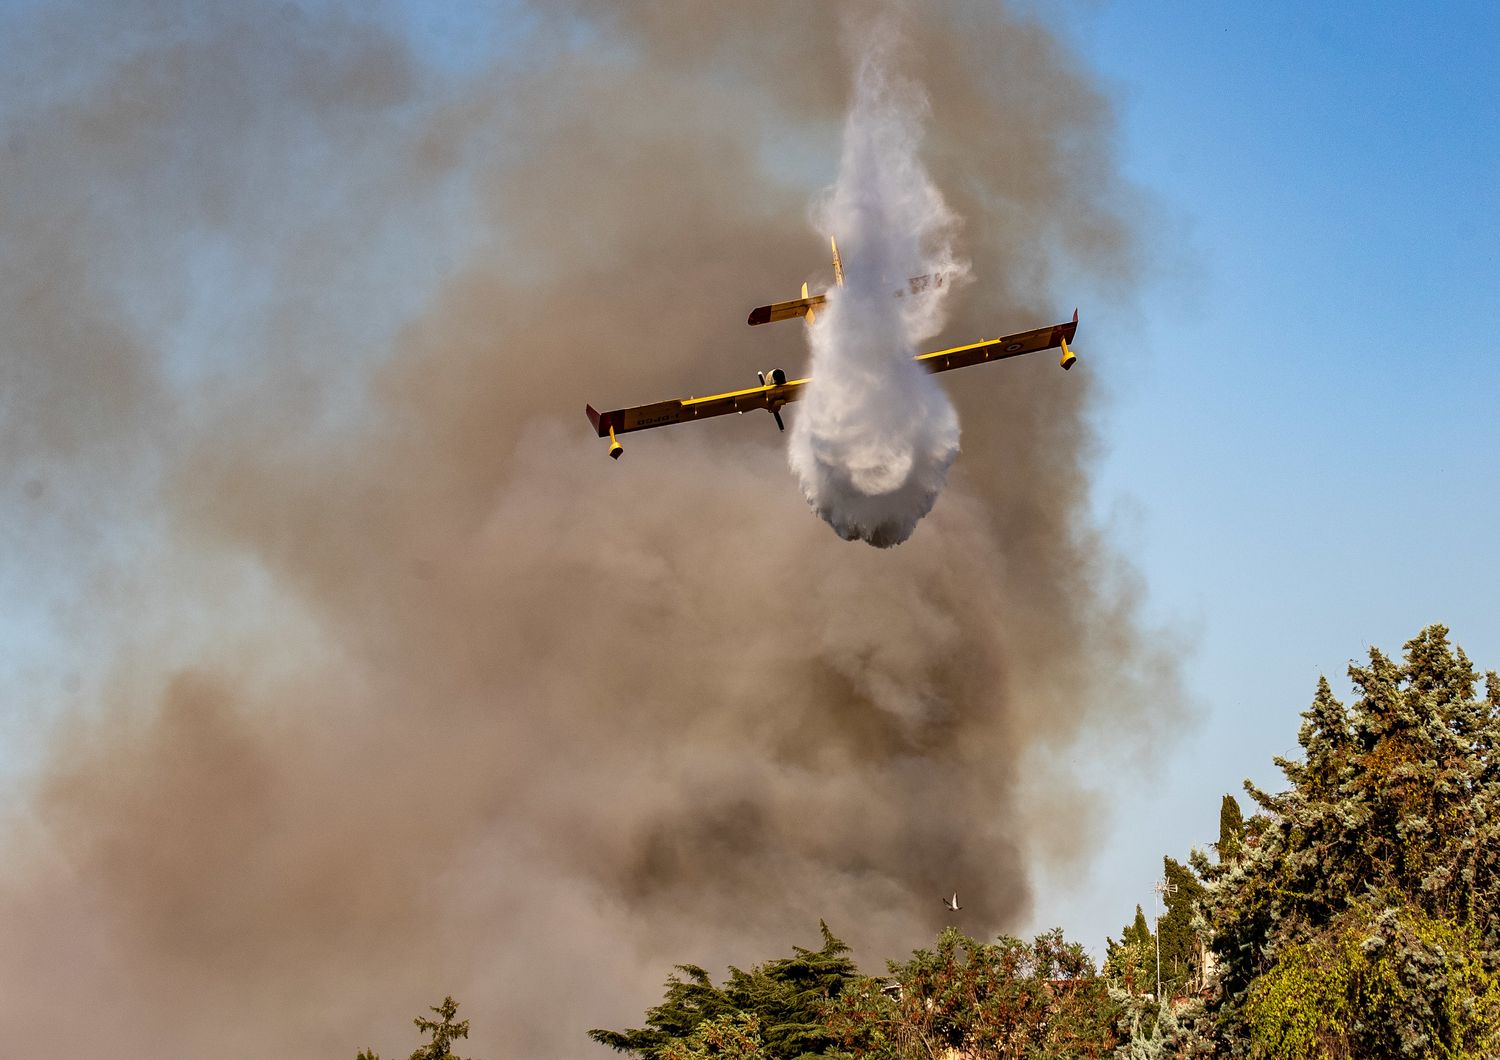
x=1010 y=346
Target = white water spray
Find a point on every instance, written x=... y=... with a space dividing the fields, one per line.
x=876 y=434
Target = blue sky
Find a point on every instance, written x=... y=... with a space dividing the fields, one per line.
x=1301 y=442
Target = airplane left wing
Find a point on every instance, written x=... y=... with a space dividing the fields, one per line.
x=770 y=396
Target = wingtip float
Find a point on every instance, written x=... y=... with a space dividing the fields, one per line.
x=1069 y=358
x=604 y=424
x=777 y=392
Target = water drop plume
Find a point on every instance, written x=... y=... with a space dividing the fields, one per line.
x=876 y=434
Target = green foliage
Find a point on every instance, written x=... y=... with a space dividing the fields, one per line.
x=1397 y=796
x=1130 y=964
x=1140 y=929
x=1179 y=938
x=1152 y=1028
x=729 y=1037
x=444 y=1031
x=1231 y=831
x=1005 y=998
x=1392 y=982
x=785 y=1001
x=1157 y=1032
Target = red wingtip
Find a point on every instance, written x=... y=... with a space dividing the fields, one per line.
x=1075 y=314
x=761 y=314
x=594 y=419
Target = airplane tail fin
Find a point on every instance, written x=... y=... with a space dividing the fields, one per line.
x=838 y=266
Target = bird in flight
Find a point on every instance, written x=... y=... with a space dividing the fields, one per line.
x=951 y=904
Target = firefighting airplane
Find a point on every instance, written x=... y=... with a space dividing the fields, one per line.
x=780 y=390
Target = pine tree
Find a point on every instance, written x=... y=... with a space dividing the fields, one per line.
x=444 y=1032
x=785 y=998
x=733 y=1037
x=1371 y=882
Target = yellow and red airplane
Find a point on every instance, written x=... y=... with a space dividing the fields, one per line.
x=779 y=390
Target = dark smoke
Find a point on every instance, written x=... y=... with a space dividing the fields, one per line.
x=382 y=681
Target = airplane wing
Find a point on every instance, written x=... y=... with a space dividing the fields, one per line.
x=782 y=391
x=1047 y=338
x=771 y=396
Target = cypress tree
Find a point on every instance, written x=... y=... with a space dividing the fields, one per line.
x=1131 y=962
x=1140 y=929
x=1179 y=941
x=1231 y=831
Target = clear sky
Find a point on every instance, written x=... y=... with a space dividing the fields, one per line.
x=1300 y=439
x=1302 y=442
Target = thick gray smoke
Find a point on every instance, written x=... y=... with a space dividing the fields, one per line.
x=361 y=675
x=874 y=437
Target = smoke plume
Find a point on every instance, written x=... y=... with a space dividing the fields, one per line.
x=351 y=672
x=875 y=436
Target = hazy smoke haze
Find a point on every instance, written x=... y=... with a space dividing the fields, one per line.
x=873 y=439
x=357 y=674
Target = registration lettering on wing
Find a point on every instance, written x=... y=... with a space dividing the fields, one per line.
x=654 y=421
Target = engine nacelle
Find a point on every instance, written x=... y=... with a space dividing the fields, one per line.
x=778 y=378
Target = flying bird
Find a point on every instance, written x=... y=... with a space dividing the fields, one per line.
x=951 y=904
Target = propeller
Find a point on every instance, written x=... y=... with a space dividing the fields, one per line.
x=778 y=378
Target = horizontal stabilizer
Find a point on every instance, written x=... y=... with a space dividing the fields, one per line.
x=797 y=307
x=802 y=307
